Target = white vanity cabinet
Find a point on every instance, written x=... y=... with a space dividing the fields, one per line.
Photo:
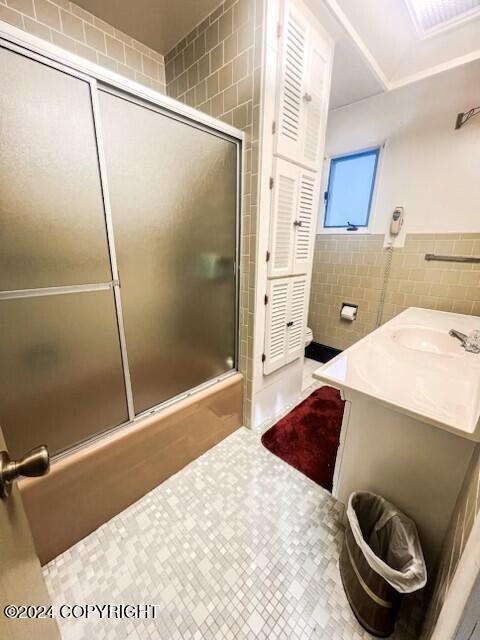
x=411 y=419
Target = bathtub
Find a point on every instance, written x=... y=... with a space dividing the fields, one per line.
x=89 y=486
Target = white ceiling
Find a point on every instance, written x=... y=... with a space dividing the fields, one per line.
x=352 y=77
x=386 y=36
x=379 y=47
x=378 y=44
x=159 y=24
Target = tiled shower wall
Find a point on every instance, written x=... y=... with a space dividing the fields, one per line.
x=461 y=524
x=216 y=68
x=353 y=269
x=71 y=27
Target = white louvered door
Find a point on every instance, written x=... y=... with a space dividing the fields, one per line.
x=315 y=101
x=292 y=228
x=296 y=322
x=305 y=221
x=276 y=325
x=303 y=89
x=285 y=321
x=304 y=62
x=292 y=71
x=282 y=219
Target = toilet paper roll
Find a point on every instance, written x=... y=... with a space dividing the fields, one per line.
x=348 y=313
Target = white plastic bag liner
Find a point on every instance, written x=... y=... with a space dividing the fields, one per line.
x=389 y=541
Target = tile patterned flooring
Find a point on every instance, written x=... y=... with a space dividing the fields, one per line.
x=237 y=545
x=308 y=368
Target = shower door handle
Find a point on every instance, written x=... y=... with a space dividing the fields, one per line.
x=35 y=463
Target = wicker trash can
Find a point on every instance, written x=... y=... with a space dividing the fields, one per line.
x=380 y=560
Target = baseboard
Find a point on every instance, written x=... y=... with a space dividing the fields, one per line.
x=320 y=352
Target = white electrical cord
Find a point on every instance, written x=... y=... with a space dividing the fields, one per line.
x=386 y=276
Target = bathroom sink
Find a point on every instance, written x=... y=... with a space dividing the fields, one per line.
x=427 y=340
x=413 y=366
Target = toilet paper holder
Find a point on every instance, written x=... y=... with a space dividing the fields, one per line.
x=348 y=311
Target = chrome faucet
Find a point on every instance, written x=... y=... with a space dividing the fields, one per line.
x=459 y=335
x=470 y=343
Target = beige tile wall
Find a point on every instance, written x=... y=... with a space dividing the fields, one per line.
x=461 y=524
x=347 y=269
x=446 y=286
x=216 y=68
x=71 y=27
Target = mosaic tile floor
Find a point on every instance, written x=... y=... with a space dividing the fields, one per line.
x=308 y=368
x=238 y=545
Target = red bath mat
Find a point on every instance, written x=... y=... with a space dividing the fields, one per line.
x=308 y=437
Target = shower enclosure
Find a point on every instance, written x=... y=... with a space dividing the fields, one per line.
x=118 y=253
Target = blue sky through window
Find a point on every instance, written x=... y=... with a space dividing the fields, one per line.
x=350 y=189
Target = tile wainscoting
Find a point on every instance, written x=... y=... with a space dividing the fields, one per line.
x=461 y=524
x=353 y=269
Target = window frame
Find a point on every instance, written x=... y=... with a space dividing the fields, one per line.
x=363 y=230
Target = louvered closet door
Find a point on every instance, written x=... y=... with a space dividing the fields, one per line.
x=276 y=324
x=305 y=221
x=292 y=69
x=283 y=216
x=285 y=321
x=296 y=318
x=315 y=100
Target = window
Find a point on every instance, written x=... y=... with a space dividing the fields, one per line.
x=348 y=198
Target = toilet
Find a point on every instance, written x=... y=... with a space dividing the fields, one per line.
x=308 y=336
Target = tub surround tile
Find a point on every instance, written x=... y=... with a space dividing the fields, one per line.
x=75 y=29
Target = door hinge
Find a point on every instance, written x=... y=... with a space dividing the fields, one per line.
x=279 y=30
x=267 y=256
x=271 y=183
x=274 y=126
x=264 y=357
x=266 y=299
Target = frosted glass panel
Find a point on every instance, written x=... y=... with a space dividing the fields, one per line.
x=60 y=370
x=51 y=209
x=173 y=195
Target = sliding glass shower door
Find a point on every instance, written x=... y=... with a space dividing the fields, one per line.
x=173 y=194
x=118 y=231
x=61 y=378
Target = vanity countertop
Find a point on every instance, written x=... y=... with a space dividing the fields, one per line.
x=411 y=364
